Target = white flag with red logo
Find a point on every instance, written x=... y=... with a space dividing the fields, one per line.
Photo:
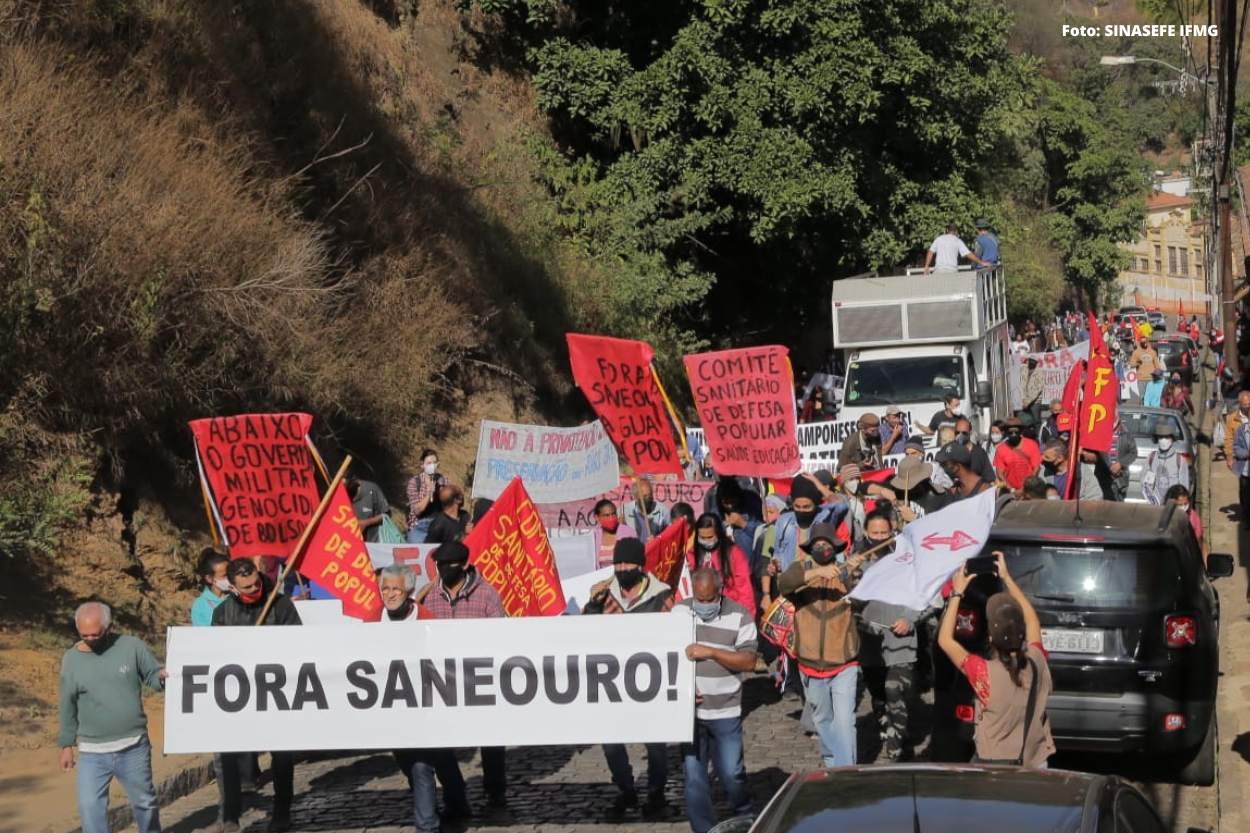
x=927 y=552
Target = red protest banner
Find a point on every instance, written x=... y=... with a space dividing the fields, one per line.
x=1098 y=404
x=745 y=399
x=509 y=547
x=615 y=375
x=666 y=552
x=259 y=473
x=336 y=559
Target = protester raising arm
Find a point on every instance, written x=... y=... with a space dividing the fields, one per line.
x=946 y=630
x=1032 y=624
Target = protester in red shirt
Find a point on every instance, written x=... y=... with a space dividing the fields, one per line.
x=714 y=548
x=1018 y=456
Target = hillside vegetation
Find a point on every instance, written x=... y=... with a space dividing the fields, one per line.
x=388 y=213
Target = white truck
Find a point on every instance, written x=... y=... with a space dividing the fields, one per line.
x=908 y=340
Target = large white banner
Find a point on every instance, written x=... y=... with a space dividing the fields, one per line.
x=820 y=442
x=927 y=552
x=1055 y=367
x=557 y=464
x=468 y=682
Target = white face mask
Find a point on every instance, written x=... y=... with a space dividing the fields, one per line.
x=1165 y=443
x=851 y=486
x=222 y=584
x=431 y=469
x=996 y=438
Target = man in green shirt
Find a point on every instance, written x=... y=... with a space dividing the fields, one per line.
x=101 y=708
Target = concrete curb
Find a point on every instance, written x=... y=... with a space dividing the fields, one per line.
x=180 y=784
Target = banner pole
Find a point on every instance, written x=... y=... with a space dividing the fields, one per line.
x=316 y=455
x=303 y=538
x=208 y=506
x=672 y=412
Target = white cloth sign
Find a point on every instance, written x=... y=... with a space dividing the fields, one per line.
x=557 y=465
x=1055 y=367
x=414 y=555
x=927 y=552
x=468 y=682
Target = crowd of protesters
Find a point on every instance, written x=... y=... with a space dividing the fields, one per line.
x=771 y=572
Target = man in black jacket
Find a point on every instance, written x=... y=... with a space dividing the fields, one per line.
x=243 y=608
x=633 y=590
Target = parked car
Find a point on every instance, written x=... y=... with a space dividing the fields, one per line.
x=1140 y=421
x=1156 y=319
x=1131 y=309
x=1129 y=620
x=952 y=799
x=1177 y=354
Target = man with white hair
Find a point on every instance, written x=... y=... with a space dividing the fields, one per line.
x=101 y=709
x=396 y=584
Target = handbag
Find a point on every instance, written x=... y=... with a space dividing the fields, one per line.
x=777 y=624
x=1028 y=721
x=388 y=532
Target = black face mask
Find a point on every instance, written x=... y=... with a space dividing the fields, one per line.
x=823 y=557
x=1049 y=467
x=1013 y=440
x=101 y=643
x=402 y=613
x=805 y=518
x=629 y=579
x=873 y=437
x=450 y=574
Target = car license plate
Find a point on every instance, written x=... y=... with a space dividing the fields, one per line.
x=1068 y=641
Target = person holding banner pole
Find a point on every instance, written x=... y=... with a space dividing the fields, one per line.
x=462 y=593
x=245 y=608
x=724 y=649
x=422 y=489
x=644 y=514
x=633 y=590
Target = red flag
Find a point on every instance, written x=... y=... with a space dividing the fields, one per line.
x=259 y=472
x=745 y=399
x=615 y=375
x=1097 y=344
x=510 y=550
x=1098 y=405
x=336 y=558
x=1072 y=387
x=666 y=552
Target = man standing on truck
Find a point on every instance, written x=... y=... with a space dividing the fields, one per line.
x=986 y=242
x=948 y=416
x=946 y=249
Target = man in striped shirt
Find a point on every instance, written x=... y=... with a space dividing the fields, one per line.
x=724 y=649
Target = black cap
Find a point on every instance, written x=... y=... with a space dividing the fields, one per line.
x=824 y=532
x=915 y=441
x=629 y=551
x=451 y=552
x=955 y=452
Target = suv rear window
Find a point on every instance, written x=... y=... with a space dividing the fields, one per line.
x=1141 y=424
x=1092 y=576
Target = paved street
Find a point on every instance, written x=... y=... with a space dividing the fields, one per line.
x=567 y=789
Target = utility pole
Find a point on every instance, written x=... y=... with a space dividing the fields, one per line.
x=1226 y=102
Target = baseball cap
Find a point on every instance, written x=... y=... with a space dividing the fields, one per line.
x=955 y=452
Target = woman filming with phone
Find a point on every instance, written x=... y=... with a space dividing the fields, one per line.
x=1012 y=684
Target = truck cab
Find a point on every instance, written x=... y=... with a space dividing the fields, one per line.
x=911 y=339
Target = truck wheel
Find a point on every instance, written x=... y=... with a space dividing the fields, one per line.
x=1200 y=768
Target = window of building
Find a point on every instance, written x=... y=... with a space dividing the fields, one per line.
x=1171 y=260
x=1184 y=261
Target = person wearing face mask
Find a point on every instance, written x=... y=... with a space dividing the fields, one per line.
x=1122 y=455
x=1180 y=495
x=981 y=462
x=863 y=448
x=793 y=527
x=608 y=530
x=101 y=711
x=462 y=593
x=1176 y=396
x=633 y=590
x=644 y=514
x=945 y=417
x=212 y=574
x=914 y=492
x=939 y=482
x=826 y=640
x=1145 y=359
x=723 y=650
x=715 y=550
x=996 y=439
x=1165 y=467
x=1055 y=466
x=888 y=649
x=242 y=609
x=893 y=431
x=1049 y=429
x=1152 y=395
x=1018 y=456
x=955 y=458
x=422 y=493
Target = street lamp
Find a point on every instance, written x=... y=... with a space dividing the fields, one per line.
x=1127 y=60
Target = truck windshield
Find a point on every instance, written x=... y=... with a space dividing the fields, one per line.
x=1093 y=576
x=899 y=381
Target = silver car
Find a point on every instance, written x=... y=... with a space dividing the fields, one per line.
x=1140 y=422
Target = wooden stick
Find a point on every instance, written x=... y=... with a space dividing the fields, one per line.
x=672 y=413
x=303 y=538
x=316 y=455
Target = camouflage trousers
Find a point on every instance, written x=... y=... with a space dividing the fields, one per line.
x=891 y=689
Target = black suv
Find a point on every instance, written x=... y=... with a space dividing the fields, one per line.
x=1130 y=623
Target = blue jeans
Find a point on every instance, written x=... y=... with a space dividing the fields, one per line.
x=417 y=532
x=421 y=766
x=623 y=774
x=833 y=710
x=720 y=741
x=133 y=769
